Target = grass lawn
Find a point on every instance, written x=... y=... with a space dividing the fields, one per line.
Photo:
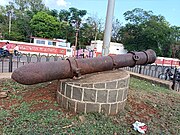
x=33 y=110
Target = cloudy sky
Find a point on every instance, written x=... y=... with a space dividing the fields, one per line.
x=168 y=8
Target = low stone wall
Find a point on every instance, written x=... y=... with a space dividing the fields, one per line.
x=104 y=92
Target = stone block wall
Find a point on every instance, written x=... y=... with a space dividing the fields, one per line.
x=108 y=97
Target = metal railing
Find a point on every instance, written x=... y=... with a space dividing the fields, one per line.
x=11 y=63
x=155 y=71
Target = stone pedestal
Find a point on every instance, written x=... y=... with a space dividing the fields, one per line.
x=104 y=92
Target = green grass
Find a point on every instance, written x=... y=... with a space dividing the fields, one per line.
x=167 y=102
x=19 y=119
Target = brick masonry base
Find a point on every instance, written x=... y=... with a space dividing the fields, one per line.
x=100 y=95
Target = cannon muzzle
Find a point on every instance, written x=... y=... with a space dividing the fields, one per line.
x=47 y=71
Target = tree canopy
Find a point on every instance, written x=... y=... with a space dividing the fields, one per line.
x=145 y=30
x=44 y=25
x=21 y=19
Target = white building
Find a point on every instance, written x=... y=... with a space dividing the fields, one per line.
x=115 y=48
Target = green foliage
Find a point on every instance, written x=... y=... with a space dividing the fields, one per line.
x=176 y=34
x=64 y=15
x=146 y=31
x=76 y=16
x=21 y=13
x=44 y=25
x=176 y=41
x=90 y=30
x=137 y=16
x=64 y=30
x=53 y=13
x=116 y=26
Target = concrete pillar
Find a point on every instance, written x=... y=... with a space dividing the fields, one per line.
x=108 y=27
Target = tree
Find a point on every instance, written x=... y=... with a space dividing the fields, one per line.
x=91 y=30
x=146 y=31
x=3 y=21
x=116 y=26
x=176 y=34
x=76 y=16
x=75 y=20
x=70 y=23
x=44 y=25
x=64 y=15
x=137 y=16
x=53 y=13
x=63 y=31
x=176 y=41
x=21 y=13
x=87 y=33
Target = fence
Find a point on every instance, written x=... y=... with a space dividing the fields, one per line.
x=155 y=71
x=11 y=63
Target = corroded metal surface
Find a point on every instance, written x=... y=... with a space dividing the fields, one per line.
x=48 y=71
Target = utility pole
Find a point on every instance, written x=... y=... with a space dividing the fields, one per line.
x=108 y=27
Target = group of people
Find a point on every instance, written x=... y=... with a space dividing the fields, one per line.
x=8 y=49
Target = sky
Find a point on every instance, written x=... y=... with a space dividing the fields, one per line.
x=170 y=9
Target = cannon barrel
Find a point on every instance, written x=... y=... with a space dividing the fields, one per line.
x=47 y=71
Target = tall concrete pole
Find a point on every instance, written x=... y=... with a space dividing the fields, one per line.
x=108 y=27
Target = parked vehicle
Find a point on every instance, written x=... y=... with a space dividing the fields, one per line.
x=178 y=74
x=169 y=75
x=4 y=53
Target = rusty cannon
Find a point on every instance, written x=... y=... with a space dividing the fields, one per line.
x=47 y=71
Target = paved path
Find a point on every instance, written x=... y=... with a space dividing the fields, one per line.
x=163 y=83
x=5 y=75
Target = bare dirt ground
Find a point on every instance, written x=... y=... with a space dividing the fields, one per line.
x=30 y=94
x=146 y=103
x=48 y=94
